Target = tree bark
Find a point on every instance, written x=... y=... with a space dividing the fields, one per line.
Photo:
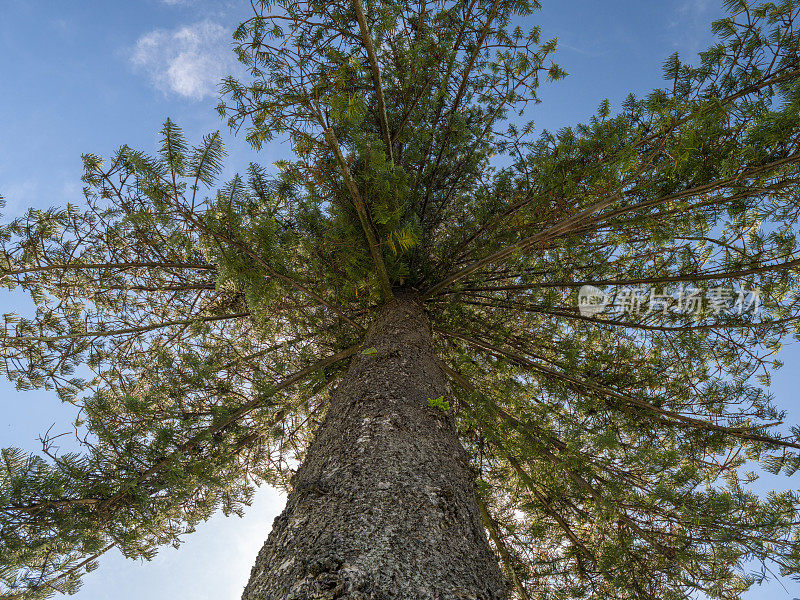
x=383 y=506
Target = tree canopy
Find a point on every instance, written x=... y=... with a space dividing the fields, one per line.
x=199 y=325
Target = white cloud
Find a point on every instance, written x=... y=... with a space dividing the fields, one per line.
x=188 y=61
x=697 y=12
x=214 y=562
x=691 y=26
x=19 y=196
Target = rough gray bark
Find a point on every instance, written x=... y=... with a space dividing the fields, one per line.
x=383 y=506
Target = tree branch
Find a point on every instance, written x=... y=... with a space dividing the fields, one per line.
x=376 y=76
x=372 y=242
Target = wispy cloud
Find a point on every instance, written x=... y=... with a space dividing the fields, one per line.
x=21 y=195
x=188 y=61
x=697 y=12
x=691 y=24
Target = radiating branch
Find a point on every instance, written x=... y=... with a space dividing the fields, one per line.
x=376 y=76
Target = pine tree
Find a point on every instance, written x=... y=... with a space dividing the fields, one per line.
x=398 y=308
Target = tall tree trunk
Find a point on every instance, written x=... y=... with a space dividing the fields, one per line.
x=384 y=504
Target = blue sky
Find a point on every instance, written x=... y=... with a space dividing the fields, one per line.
x=90 y=75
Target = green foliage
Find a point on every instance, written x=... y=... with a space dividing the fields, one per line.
x=439 y=403
x=199 y=325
